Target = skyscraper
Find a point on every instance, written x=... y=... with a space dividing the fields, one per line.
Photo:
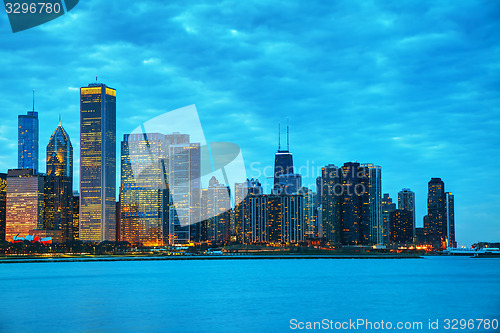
x=216 y=206
x=184 y=172
x=450 y=219
x=243 y=227
x=59 y=184
x=27 y=140
x=387 y=207
x=144 y=164
x=355 y=212
x=283 y=161
x=25 y=202
x=406 y=201
x=435 y=224
x=97 y=163
x=374 y=191
x=330 y=197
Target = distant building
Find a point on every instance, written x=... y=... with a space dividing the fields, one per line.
x=450 y=218
x=25 y=202
x=310 y=212
x=243 y=226
x=355 y=213
x=387 y=207
x=216 y=208
x=184 y=172
x=76 y=215
x=436 y=225
x=97 y=163
x=406 y=201
x=58 y=212
x=273 y=218
x=374 y=191
x=27 y=139
x=3 y=204
x=330 y=192
x=401 y=226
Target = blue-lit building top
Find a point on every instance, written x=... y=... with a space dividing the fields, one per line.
x=27 y=152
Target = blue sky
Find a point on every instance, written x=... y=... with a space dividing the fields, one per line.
x=413 y=86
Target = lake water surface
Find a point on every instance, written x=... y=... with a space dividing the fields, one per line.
x=245 y=295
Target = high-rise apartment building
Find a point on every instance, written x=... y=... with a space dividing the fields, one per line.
x=330 y=194
x=435 y=224
x=401 y=226
x=216 y=209
x=406 y=201
x=387 y=207
x=97 y=163
x=374 y=192
x=184 y=172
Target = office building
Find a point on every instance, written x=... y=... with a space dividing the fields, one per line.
x=184 y=180
x=58 y=211
x=97 y=163
x=216 y=212
x=356 y=229
x=283 y=164
x=25 y=202
x=27 y=140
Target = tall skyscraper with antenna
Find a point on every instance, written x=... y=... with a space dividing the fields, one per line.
x=283 y=159
x=27 y=140
x=97 y=163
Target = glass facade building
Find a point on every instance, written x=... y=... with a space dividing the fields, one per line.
x=27 y=140
x=59 y=184
x=97 y=220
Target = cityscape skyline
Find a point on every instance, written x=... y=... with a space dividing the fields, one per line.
x=406 y=110
x=161 y=199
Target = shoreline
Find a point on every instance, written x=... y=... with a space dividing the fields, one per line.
x=34 y=259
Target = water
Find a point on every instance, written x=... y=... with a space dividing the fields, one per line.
x=243 y=295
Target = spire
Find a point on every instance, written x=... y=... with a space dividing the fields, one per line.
x=287 y=136
x=59 y=120
x=33 y=100
x=279 y=136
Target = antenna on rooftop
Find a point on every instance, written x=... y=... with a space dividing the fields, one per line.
x=279 y=136
x=287 y=136
x=33 y=100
